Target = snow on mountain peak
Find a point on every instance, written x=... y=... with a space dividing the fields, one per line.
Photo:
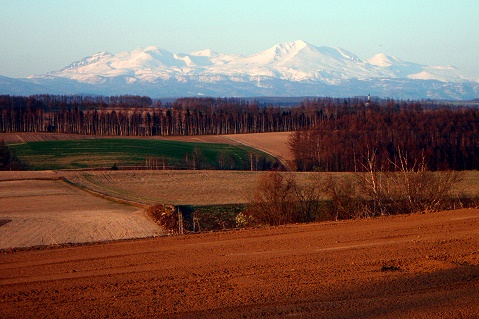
x=296 y=61
x=348 y=55
x=88 y=60
x=384 y=60
x=289 y=48
x=291 y=68
x=293 y=46
x=278 y=54
x=151 y=48
x=102 y=54
x=207 y=53
x=444 y=67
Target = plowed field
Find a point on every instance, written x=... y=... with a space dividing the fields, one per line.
x=414 y=266
x=36 y=209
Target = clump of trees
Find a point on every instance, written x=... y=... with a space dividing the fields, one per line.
x=278 y=199
x=9 y=160
x=168 y=217
x=331 y=134
x=342 y=141
x=411 y=187
x=190 y=219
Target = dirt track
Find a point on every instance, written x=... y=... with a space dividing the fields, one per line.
x=415 y=266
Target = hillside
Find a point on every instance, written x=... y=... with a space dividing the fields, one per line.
x=40 y=209
x=274 y=143
x=105 y=153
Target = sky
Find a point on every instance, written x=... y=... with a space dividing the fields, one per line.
x=38 y=36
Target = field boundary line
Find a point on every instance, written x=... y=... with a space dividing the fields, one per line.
x=105 y=196
x=281 y=159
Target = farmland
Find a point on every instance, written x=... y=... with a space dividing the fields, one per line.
x=57 y=213
x=170 y=187
x=408 y=266
x=50 y=198
x=201 y=187
x=39 y=210
x=275 y=144
x=106 y=152
x=417 y=265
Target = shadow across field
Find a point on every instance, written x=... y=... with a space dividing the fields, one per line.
x=4 y=221
x=449 y=293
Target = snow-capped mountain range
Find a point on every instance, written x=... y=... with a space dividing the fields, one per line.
x=289 y=69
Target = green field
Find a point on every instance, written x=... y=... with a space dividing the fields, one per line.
x=105 y=153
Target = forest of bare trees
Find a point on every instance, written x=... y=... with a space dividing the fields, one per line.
x=447 y=138
x=331 y=134
x=123 y=117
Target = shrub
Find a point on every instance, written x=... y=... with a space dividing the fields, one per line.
x=166 y=216
x=278 y=199
x=274 y=200
x=216 y=217
x=345 y=202
x=9 y=160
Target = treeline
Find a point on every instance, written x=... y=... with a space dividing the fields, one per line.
x=140 y=116
x=332 y=134
x=121 y=116
x=353 y=139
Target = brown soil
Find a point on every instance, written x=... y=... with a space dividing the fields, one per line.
x=414 y=266
x=22 y=137
x=273 y=143
x=37 y=209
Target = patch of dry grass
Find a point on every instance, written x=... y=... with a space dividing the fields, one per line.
x=202 y=187
x=171 y=187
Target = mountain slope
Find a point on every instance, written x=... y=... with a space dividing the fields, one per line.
x=293 y=68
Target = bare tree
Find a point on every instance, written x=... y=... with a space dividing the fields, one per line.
x=278 y=199
x=410 y=188
x=273 y=202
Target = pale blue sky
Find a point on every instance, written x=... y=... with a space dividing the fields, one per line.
x=37 y=36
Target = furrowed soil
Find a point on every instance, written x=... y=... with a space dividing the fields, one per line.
x=38 y=208
x=409 y=266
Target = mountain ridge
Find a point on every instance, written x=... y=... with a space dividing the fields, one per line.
x=292 y=68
